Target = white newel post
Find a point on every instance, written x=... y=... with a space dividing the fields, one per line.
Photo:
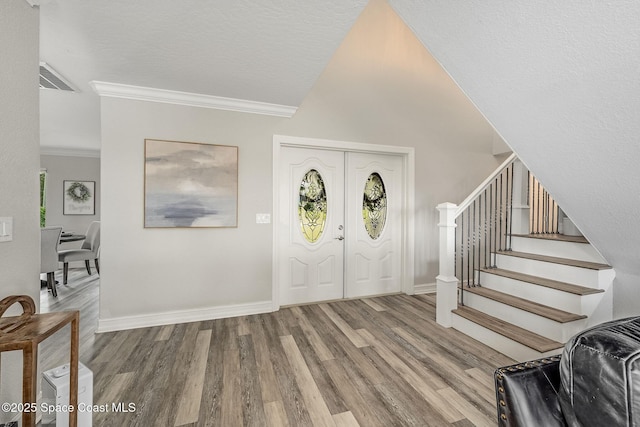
x=446 y=282
x=520 y=202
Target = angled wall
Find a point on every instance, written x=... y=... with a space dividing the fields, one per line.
x=559 y=81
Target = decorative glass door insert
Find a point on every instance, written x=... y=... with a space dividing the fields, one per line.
x=312 y=207
x=374 y=205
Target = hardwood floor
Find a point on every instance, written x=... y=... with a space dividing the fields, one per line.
x=371 y=362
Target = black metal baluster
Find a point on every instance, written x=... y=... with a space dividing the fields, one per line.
x=500 y=214
x=468 y=245
x=462 y=259
x=534 y=198
x=487 y=236
x=495 y=223
x=473 y=245
x=455 y=250
x=536 y=205
x=529 y=200
x=506 y=209
x=478 y=241
x=546 y=211
x=491 y=243
x=541 y=212
x=511 y=210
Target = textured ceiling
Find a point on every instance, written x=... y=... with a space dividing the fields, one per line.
x=268 y=51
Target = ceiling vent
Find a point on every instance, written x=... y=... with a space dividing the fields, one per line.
x=50 y=79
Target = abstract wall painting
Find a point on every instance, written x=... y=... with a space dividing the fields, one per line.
x=190 y=184
x=79 y=198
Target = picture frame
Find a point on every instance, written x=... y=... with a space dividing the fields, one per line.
x=79 y=197
x=190 y=185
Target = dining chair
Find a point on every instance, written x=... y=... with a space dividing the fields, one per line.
x=87 y=252
x=49 y=239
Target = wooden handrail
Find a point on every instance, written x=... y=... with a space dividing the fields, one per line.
x=475 y=193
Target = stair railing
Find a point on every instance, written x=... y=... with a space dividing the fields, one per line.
x=510 y=201
x=483 y=227
x=544 y=217
x=471 y=233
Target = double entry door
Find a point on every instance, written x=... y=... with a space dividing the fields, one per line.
x=341 y=220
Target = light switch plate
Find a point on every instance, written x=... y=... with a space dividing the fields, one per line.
x=263 y=218
x=6 y=229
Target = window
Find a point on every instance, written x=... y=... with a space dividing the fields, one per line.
x=43 y=198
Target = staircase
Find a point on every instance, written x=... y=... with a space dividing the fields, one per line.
x=527 y=293
x=540 y=294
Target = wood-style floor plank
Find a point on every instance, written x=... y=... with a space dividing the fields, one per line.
x=345 y=419
x=321 y=349
x=211 y=402
x=343 y=326
x=317 y=407
x=268 y=383
x=252 y=404
x=380 y=361
x=231 y=414
x=189 y=405
x=322 y=379
x=366 y=408
x=275 y=414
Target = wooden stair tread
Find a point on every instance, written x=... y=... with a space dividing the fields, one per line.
x=555 y=237
x=557 y=260
x=515 y=333
x=541 y=281
x=554 y=314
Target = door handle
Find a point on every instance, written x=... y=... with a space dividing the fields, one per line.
x=339 y=238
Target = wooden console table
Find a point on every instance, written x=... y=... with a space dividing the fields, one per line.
x=24 y=333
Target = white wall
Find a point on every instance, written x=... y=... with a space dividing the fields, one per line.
x=381 y=87
x=19 y=167
x=151 y=271
x=560 y=83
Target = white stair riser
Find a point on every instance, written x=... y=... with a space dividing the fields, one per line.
x=597 y=279
x=571 y=250
x=548 y=328
x=541 y=294
x=506 y=346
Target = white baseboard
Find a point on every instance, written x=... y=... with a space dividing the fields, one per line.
x=185 y=316
x=425 y=288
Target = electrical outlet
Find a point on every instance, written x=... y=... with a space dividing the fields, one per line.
x=6 y=229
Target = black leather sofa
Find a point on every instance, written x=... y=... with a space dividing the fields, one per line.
x=595 y=382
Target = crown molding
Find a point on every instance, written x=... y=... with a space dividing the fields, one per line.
x=70 y=152
x=139 y=93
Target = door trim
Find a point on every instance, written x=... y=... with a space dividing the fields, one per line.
x=408 y=156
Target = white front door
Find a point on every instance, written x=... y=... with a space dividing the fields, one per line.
x=340 y=224
x=311 y=225
x=374 y=224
